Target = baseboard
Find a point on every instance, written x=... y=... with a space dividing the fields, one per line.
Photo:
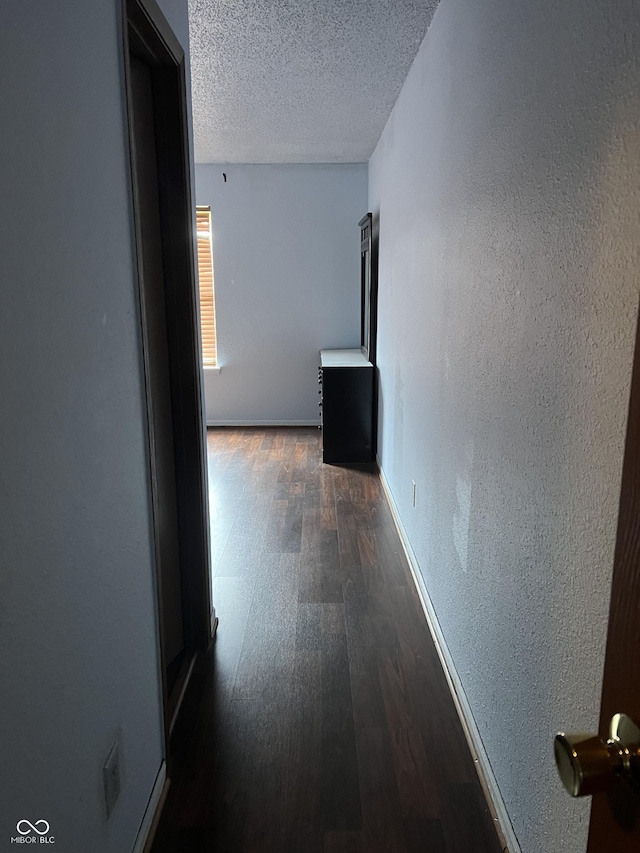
x=481 y=759
x=241 y=423
x=152 y=812
x=182 y=690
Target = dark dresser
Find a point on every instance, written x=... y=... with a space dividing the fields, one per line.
x=346 y=380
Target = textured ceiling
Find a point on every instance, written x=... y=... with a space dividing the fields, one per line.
x=287 y=81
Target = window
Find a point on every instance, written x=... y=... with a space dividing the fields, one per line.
x=205 y=278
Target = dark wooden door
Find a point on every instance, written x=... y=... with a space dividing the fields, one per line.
x=157 y=364
x=615 y=817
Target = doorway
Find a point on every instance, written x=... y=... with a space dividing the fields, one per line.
x=155 y=88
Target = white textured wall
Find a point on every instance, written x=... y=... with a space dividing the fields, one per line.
x=78 y=663
x=287 y=281
x=507 y=186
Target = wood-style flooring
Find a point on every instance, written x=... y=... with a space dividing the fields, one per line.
x=321 y=720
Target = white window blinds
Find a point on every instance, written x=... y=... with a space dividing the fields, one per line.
x=205 y=278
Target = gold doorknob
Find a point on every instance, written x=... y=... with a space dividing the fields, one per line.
x=587 y=764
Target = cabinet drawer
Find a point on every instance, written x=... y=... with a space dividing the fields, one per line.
x=347 y=414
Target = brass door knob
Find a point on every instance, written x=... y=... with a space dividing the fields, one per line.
x=587 y=764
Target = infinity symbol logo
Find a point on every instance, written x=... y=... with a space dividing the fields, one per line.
x=32 y=827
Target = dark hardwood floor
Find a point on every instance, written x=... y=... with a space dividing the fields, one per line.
x=321 y=720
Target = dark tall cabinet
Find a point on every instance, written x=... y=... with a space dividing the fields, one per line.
x=346 y=405
x=347 y=376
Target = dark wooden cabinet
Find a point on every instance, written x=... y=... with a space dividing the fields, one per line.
x=346 y=380
x=347 y=376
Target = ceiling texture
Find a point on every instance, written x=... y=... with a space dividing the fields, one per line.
x=298 y=81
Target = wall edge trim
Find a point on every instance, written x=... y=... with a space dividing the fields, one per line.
x=259 y=423
x=152 y=812
x=483 y=767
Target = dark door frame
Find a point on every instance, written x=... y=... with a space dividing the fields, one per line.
x=614 y=822
x=146 y=33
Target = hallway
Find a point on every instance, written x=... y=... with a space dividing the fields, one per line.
x=321 y=720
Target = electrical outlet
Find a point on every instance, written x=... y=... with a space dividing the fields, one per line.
x=111 y=777
x=413 y=493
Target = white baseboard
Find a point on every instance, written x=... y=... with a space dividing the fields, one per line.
x=241 y=423
x=481 y=759
x=152 y=813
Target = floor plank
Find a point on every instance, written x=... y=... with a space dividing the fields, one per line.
x=321 y=720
